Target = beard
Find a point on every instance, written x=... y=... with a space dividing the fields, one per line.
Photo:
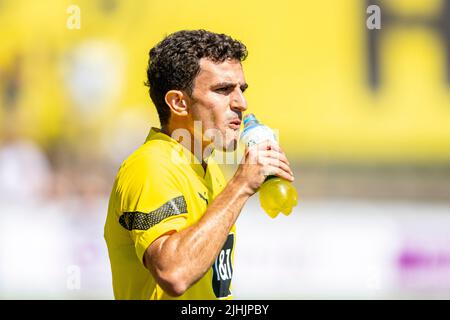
x=225 y=141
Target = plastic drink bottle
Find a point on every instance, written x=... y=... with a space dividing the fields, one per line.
x=275 y=194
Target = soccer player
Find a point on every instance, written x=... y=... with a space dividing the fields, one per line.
x=170 y=228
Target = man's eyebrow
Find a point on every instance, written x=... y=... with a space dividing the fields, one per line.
x=228 y=85
x=223 y=85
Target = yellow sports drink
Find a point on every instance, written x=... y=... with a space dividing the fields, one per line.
x=275 y=194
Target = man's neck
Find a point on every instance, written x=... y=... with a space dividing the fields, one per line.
x=195 y=145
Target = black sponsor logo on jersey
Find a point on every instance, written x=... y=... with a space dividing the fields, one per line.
x=223 y=269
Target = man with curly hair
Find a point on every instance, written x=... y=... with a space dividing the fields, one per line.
x=170 y=228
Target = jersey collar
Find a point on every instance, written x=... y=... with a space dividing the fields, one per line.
x=186 y=154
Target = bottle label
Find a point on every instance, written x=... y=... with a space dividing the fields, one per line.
x=257 y=134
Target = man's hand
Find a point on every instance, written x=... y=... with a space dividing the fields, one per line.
x=260 y=161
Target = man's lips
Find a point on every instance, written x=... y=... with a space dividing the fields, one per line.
x=235 y=124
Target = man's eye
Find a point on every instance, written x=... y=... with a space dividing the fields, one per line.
x=224 y=90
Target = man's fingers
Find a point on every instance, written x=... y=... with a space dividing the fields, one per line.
x=278 y=164
x=272 y=158
x=267 y=145
x=284 y=167
x=255 y=154
x=273 y=155
x=276 y=155
x=272 y=170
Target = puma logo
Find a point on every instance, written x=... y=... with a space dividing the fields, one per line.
x=201 y=196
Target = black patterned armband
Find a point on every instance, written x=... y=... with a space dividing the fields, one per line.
x=144 y=221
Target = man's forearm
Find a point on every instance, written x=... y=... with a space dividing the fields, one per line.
x=192 y=251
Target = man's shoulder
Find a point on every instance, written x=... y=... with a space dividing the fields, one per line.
x=151 y=152
x=155 y=156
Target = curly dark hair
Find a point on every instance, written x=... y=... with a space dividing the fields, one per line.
x=174 y=62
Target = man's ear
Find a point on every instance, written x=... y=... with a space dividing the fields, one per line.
x=176 y=101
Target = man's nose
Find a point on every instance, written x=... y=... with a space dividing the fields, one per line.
x=238 y=100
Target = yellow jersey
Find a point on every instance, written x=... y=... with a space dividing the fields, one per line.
x=159 y=189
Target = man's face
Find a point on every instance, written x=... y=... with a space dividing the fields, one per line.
x=218 y=102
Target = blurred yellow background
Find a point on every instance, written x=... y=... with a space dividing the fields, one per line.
x=307 y=69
